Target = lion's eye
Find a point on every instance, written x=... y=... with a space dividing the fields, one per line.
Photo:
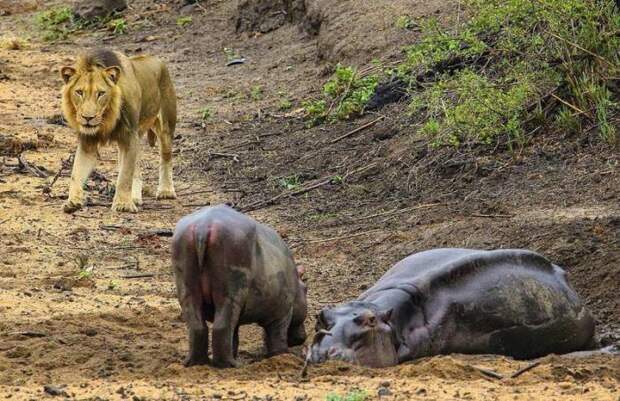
x=100 y=94
x=79 y=93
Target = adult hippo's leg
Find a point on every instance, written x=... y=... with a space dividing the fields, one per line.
x=276 y=335
x=236 y=343
x=296 y=335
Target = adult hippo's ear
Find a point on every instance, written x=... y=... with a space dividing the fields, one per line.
x=385 y=315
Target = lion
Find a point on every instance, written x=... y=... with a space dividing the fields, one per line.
x=109 y=97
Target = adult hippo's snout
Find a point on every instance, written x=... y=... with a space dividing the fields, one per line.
x=358 y=333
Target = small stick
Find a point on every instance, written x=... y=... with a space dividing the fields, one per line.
x=524 y=369
x=63 y=163
x=32 y=334
x=234 y=156
x=489 y=373
x=502 y=216
x=581 y=48
x=4 y=221
x=140 y=275
x=356 y=130
x=572 y=106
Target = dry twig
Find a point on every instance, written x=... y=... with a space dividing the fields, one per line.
x=358 y=129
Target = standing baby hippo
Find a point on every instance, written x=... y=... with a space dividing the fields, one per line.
x=511 y=302
x=231 y=270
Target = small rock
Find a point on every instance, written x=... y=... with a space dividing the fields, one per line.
x=384 y=392
x=90 y=332
x=54 y=390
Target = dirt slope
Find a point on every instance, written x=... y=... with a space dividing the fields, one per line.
x=115 y=335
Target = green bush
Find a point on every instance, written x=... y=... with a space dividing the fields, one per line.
x=346 y=93
x=55 y=23
x=516 y=66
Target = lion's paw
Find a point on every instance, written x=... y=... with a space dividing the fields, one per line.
x=120 y=206
x=166 y=194
x=72 y=206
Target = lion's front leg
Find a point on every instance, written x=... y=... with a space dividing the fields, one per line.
x=128 y=156
x=83 y=165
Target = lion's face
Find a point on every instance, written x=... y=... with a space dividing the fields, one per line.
x=91 y=98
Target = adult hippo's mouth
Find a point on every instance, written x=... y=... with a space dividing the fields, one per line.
x=357 y=333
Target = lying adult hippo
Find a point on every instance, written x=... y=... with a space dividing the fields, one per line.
x=231 y=270
x=509 y=302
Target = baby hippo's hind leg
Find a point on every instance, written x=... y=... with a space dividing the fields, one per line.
x=276 y=335
x=225 y=331
x=192 y=308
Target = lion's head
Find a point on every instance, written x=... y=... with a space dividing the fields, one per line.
x=91 y=98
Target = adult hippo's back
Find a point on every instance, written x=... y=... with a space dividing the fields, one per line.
x=509 y=302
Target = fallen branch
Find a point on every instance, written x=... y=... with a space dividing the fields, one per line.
x=524 y=369
x=582 y=49
x=358 y=129
x=488 y=373
x=34 y=170
x=31 y=334
x=63 y=165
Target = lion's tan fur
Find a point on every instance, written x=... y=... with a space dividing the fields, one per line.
x=108 y=97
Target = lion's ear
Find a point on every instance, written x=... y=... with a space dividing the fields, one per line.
x=66 y=73
x=112 y=73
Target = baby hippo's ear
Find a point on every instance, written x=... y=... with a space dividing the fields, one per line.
x=300 y=271
x=386 y=315
x=66 y=73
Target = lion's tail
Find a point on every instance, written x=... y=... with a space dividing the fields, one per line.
x=152 y=132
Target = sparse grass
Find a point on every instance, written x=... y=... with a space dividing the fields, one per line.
x=206 y=113
x=351 y=396
x=285 y=104
x=404 y=22
x=112 y=285
x=290 y=183
x=516 y=66
x=118 y=26
x=84 y=268
x=184 y=21
x=256 y=93
x=346 y=93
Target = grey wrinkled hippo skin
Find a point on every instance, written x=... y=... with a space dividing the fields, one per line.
x=508 y=302
x=231 y=270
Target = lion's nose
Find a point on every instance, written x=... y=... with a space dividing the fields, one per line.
x=87 y=117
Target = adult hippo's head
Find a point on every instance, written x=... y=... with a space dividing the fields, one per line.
x=357 y=332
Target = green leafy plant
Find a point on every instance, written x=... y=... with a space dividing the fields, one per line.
x=85 y=270
x=290 y=182
x=206 y=113
x=346 y=93
x=55 y=23
x=118 y=26
x=184 y=21
x=112 y=285
x=351 y=396
x=514 y=67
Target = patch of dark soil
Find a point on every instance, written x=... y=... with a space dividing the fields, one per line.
x=268 y=15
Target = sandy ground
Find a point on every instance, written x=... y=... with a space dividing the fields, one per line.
x=114 y=334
